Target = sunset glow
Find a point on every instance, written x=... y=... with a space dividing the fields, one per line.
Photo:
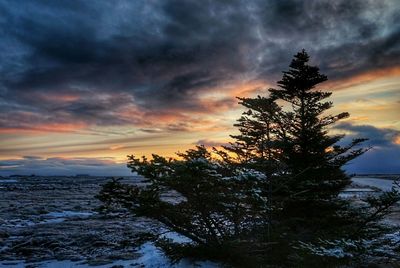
x=83 y=86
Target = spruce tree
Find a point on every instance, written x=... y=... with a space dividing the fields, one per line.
x=256 y=145
x=213 y=203
x=303 y=163
x=272 y=195
x=312 y=157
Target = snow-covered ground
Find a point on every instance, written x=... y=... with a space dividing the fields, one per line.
x=7 y=181
x=363 y=186
x=60 y=213
x=45 y=218
x=55 y=217
x=150 y=257
x=51 y=217
x=382 y=184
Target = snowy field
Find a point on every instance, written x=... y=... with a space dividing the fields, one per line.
x=384 y=184
x=53 y=222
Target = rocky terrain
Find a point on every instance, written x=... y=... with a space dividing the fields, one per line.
x=44 y=218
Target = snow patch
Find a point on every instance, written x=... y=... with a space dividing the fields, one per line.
x=8 y=181
x=63 y=264
x=51 y=217
x=69 y=214
x=57 y=217
x=153 y=257
x=382 y=184
x=175 y=237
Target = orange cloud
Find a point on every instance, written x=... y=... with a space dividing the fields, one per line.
x=116 y=147
x=364 y=77
x=60 y=97
x=359 y=118
x=249 y=88
x=57 y=96
x=45 y=127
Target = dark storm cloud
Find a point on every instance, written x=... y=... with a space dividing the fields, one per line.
x=345 y=37
x=382 y=137
x=163 y=55
x=384 y=155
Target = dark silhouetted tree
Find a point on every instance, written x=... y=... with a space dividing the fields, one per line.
x=207 y=200
x=312 y=157
x=272 y=195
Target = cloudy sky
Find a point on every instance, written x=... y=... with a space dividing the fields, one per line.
x=84 y=83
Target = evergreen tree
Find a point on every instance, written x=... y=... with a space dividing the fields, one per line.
x=256 y=145
x=209 y=201
x=312 y=157
x=272 y=195
x=303 y=164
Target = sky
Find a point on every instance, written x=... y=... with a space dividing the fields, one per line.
x=85 y=83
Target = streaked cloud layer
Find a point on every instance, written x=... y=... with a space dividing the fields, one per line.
x=107 y=78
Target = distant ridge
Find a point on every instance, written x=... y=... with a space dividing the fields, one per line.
x=82 y=175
